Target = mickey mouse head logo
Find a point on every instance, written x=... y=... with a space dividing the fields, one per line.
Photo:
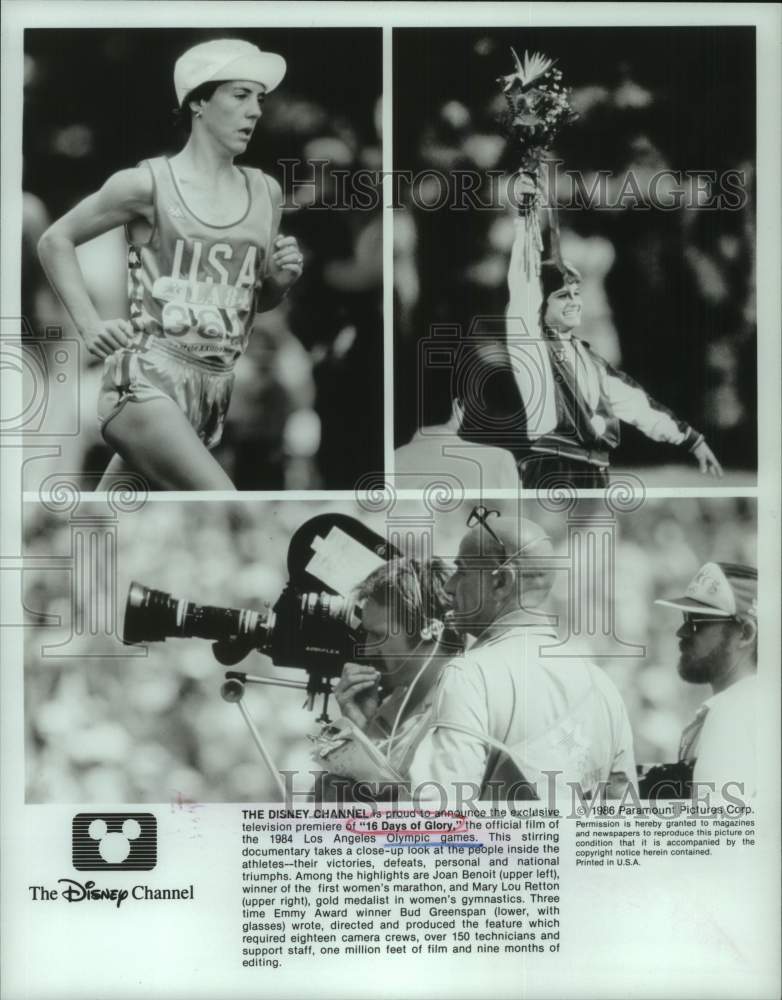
x=117 y=841
x=114 y=847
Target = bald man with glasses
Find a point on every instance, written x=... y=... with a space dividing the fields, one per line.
x=718 y=642
x=512 y=719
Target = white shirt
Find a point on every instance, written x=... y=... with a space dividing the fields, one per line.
x=724 y=749
x=556 y=713
x=409 y=731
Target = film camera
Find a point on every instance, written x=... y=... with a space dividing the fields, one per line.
x=314 y=625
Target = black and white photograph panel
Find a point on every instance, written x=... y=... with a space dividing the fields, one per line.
x=574 y=234
x=390 y=649
x=202 y=302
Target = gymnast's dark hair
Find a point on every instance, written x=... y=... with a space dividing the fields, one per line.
x=554 y=276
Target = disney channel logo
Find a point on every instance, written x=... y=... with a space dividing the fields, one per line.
x=114 y=842
x=111 y=842
x=77 y=892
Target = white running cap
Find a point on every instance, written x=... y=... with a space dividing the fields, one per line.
x=226 y=59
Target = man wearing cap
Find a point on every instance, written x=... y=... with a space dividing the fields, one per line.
x=718 y=646
x=512 y=719
x=571 y=401
x=203 y=257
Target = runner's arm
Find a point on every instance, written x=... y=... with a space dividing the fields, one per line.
x=283 y=268
x=125 y=196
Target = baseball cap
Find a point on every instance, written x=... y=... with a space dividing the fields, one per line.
x=720 y=589
x=226 y=59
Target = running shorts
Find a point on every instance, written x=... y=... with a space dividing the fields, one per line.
x=201 y=391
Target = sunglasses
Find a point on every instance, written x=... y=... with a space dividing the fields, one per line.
x=694 y=623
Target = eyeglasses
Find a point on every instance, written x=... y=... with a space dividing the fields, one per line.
x=480 y=515
x=693 y=623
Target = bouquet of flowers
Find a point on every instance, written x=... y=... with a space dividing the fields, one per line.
x=538 y=107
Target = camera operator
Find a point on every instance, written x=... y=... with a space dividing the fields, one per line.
x=387 y=695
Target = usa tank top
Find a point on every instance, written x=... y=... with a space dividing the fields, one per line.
x=194 y=283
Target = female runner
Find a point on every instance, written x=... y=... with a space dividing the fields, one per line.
x=203 y=257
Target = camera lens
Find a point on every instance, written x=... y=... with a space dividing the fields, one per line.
x=150 y=615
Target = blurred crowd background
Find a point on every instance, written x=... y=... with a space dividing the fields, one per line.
x=100 y=100
x=667 y=295
x=115 y=728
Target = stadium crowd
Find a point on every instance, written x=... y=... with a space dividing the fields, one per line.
x=154 y=729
